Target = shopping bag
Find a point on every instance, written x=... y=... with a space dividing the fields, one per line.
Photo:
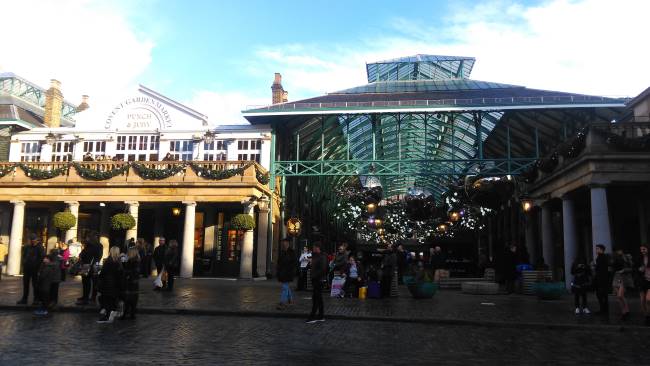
x=157 y=283
x=363 y=292
x=337 y=286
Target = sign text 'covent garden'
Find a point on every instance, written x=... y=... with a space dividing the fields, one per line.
x=139 y=113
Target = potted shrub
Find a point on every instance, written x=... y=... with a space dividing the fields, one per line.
x=421 y=285
x=122 y=221
x=64 y=221
x=548 y=290
x=242 y=222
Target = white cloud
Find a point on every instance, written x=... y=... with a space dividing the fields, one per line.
x=87 y=45
x=590 y=46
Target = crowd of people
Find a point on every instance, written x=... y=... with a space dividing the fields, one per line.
x=113 y=282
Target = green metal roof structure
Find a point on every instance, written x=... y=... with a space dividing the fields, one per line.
x=422 y=130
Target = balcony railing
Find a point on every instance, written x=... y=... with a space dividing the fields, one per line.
x=140 y=173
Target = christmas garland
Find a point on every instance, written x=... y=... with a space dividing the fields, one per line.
x=218 y=174
x=6 y=170
x=155 y=174
x=39 y=174
x=94 y=174
x=263 y=178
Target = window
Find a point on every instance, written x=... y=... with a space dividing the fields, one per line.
x=181 y=149
x=256 y=144
x=242 y=157
x=155 y=143
x=95 y=148
x=30 y=151
x=255 y=157
x=139 y=147
x=242 y=145
x=121 y=142
x=62 y=151
x=216 y=150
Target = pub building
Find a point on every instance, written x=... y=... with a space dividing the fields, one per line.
x=149 y=156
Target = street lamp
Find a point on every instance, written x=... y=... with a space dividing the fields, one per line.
x=208 y=137
x=51 y=138
x=527 y=204
x=294 y=226
x=176 y=211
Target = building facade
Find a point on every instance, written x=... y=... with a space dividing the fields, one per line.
x=149 y=156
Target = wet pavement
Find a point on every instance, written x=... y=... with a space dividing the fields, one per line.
x=260 y=298
x=75 y=339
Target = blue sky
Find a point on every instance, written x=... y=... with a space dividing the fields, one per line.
x=220 y=56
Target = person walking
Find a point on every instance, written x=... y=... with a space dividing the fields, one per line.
x=89 y=257
x=581 y=282
x=159 y=254
x=304 y=260
x=353 y=278
x=145 y=252
x=286 y=271
x=318 y=273
x=32 y=258
x=131 y=283
x=64 y=258
x=602 y=281
x=622 y=266
x=48 y=276
x=172 y=264
x=643 y=281
x=510 y=268
x=110 y=285
x=388 y=264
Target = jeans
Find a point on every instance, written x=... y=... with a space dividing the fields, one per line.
x=317 y=299
x=286 y=295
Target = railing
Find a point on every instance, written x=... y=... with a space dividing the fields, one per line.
x=572 y=99
x=139 y=172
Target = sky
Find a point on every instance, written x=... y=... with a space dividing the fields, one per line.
x=219 y=56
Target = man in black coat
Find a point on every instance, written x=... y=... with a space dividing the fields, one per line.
x=602 y=280
x=32 y=257
x=318 y=273
x=159 y=254
x=388 y=266
x=287 y=265
x=172 y=263
x=90 y=255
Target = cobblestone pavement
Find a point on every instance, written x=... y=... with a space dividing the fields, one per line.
x=210 y=296
x=75 y=339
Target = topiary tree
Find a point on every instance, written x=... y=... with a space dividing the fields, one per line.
x=122 y=221
x=242 y=222
x=64 y=220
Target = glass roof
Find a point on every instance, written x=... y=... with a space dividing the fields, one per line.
x=409 y=86
x=420 y=67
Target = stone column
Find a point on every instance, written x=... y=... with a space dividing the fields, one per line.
x=600 y=231
x=133 y=210
x=246 y=256
x=73 y=206
x=210 y=230
x=104 y=231
x=570 y=237
x=158 y=226
x=16 y=238
x=262 y=235
x=531 y=239
x=548 y=249
x=187 y=258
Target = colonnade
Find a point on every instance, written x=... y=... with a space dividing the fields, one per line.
x=15 y=237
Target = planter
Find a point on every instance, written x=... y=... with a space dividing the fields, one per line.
x=550 y=290
x=423 y=290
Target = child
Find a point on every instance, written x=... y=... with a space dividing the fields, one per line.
x=48 y=275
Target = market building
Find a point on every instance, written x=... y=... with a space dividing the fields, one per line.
x=150 y=156
x=557 y=172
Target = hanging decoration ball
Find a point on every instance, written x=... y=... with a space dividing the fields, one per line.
x=294 y=226
x=454 y=216
x=372 y=207
x=442 y=228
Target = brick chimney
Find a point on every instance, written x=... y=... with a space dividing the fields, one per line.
x=279 y=95
x=84 y=104
x=53 y=104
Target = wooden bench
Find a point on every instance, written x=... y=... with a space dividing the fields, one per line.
x=447 y=282
x=480 y=288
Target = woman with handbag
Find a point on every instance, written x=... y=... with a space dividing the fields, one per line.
x=110 y=285
x=623 y=271
x=582 y=281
